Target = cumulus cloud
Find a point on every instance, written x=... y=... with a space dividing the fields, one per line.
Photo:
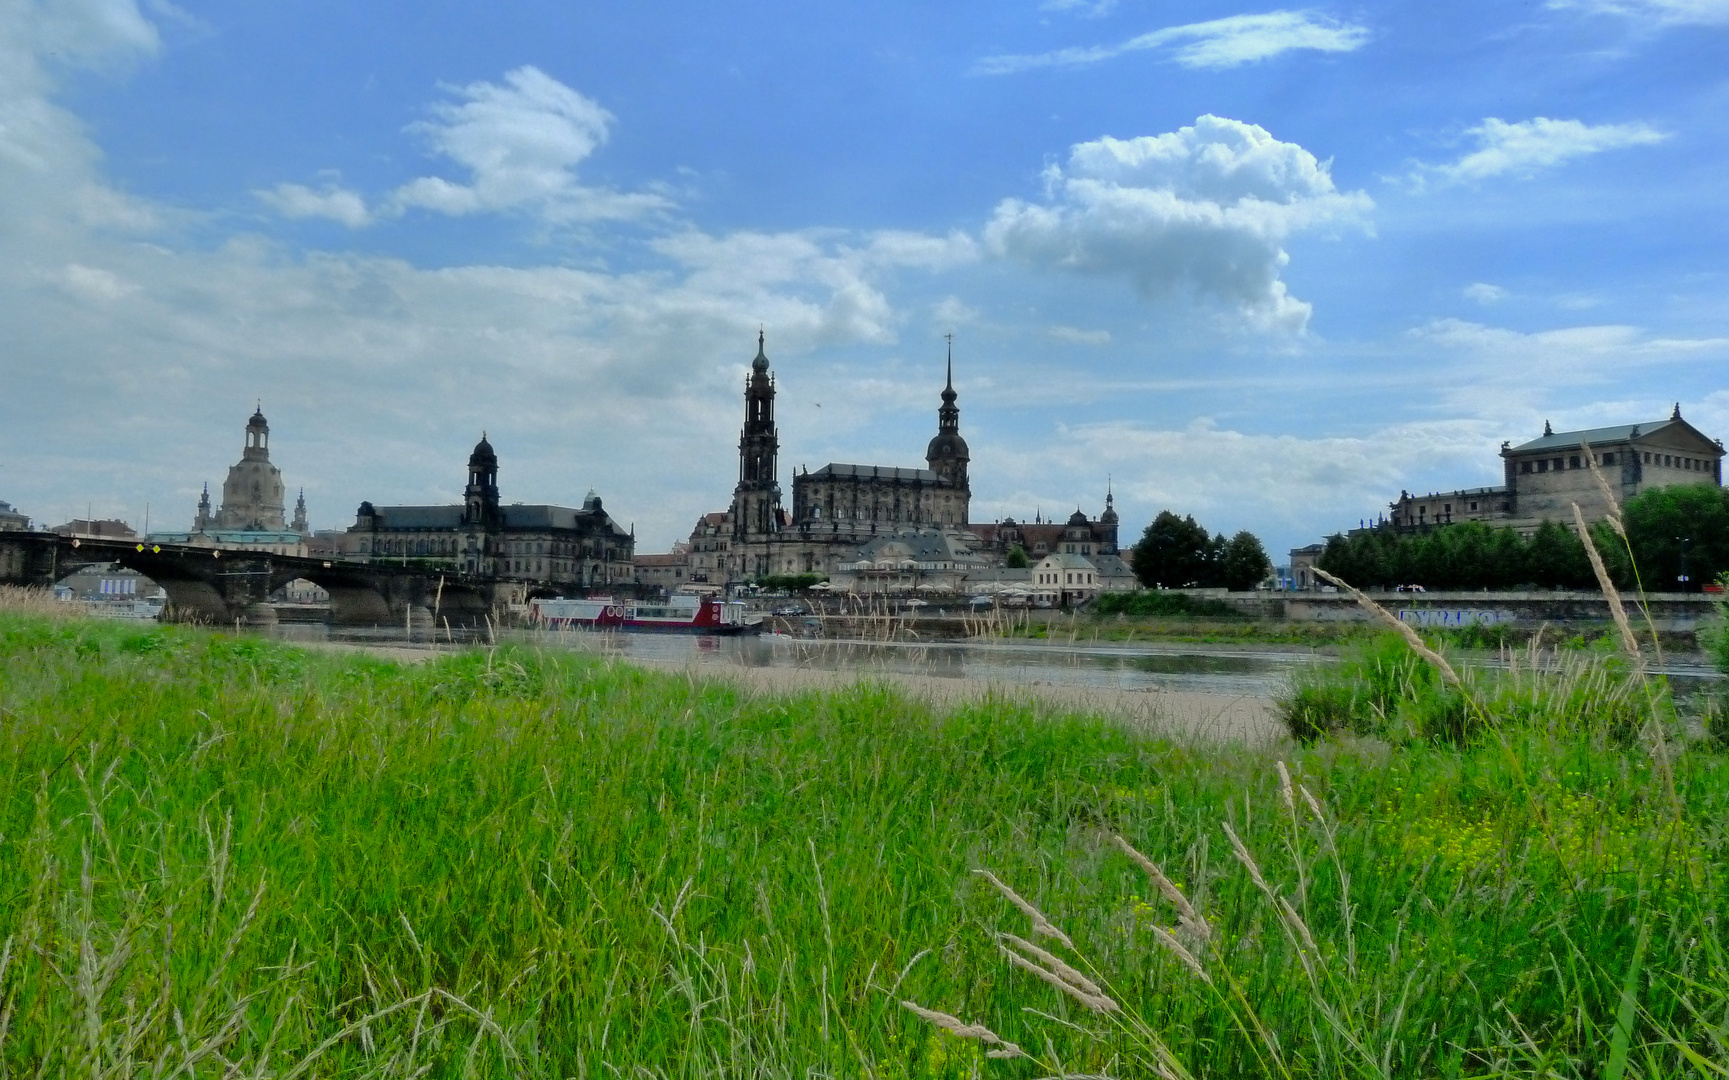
x=1524 y=147
x=1484 y=293
x=1205 y=208
x=520 y=142
x=1217 y=43
x=298 y=201
x=1655 y=12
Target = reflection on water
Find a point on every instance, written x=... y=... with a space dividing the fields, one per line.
x=1197 y=668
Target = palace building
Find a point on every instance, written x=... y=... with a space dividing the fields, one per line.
x=578 y=547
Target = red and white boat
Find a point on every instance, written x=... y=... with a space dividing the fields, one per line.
x=675 y=615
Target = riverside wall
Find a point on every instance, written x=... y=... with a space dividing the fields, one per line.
x=1679 y=612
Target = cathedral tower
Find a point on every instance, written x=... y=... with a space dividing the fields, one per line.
x=480 y=497
x=947 y=454
x=756 y=499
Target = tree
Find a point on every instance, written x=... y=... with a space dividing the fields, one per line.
x=1016 y=558
x=1244 y=563
x=1173 y=553
x=1666 y=523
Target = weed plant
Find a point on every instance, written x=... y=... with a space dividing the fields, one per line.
x=225 y=857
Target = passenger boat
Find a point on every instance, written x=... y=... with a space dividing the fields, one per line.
x=676 y=615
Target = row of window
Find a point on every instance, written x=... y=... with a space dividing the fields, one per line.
x=1573 y=461
x=1072 y=578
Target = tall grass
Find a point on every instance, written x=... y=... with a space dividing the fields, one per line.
x=230 y=857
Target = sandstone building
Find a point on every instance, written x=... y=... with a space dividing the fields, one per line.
x=578 y=547
x=251 y=516
x=1543 y=478
x=836 y=509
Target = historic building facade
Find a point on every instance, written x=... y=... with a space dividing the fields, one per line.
x=575 y=547
x=836 y=509
x=251 y=516
x=1546 y=476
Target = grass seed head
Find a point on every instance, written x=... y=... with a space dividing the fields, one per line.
x=1099 y=1003
x=1412 y=638
x=1057 y=964
x=1041 y=925
x=1616 y=608
x=1189 y=916
x=956 y=1026
x=1175 y=948
x=1609 y=498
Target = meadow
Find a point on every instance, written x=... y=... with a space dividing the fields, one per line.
x=224 y=856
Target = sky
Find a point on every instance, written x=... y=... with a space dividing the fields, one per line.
x=1268 y=266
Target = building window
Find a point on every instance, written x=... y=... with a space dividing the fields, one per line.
x=1542 y=466
x=1524 y=466
x=1608 y=459
x=1647 y=457
x=1573 y=462
x=1473 y=506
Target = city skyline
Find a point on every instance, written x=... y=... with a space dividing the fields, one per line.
x=1265 y=267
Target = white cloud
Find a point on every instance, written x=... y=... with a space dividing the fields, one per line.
x=521 y=142
x=1076 y=336
x=93 y=283
x=1655 y=12
x=94 y=33
x=1217 y=43
x=1205 y=208
x=1484 y=293
x=1523 y=147
x=337 y=204
x=1519 y=363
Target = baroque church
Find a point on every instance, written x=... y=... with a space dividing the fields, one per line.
x=577 y=547
x=848 y=520
x=251 y=516
x=835 y=510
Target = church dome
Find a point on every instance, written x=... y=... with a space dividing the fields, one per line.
x=947 y=444
x=760 y=364
x=257 y=422
x=483 y=454
x=1077 y=518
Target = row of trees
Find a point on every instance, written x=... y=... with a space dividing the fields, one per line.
x=1178 y=552
x=1672 y=532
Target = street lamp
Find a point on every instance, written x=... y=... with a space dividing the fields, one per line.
x=1682 y=579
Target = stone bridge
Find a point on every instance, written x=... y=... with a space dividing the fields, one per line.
x=225 y=586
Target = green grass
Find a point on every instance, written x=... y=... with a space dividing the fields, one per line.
x=521 y=864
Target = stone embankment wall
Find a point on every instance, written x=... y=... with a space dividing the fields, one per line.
x=1668 y=611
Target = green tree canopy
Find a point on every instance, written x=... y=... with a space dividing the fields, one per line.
x=1244 y=563
x=1178 y=552
x=1173 y=553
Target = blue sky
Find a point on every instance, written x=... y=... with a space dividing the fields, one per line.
x=1264 y=265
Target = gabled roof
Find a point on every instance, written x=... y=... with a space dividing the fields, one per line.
x=841 y=471
x=1620 y=433
x=1064 y=561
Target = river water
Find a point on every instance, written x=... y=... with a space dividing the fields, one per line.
x=1234 y=671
